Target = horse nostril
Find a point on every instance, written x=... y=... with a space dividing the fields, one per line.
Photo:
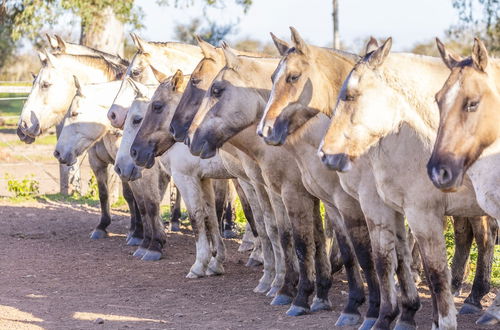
x=445 y=174
x=118 y=170
x=172 y=130
x=57 y=154
x=133 y=153
x=187 y=141
x=113 y=116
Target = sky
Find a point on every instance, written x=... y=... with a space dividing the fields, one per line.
x=407 y=21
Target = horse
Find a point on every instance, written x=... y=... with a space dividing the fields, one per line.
x=467 y=140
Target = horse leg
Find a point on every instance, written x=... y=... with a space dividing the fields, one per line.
x=322 y=263
x=175 y=207
x=300 y=207
x=463 y=242
x=191 y=190
x=136 y=232
x=416 y=261
x=136 y=188
x=492 y=314
x=427 y=225
x=332 y=245
x=220 y=188
x=215 y=266
x=485 y=232
x=287 y=275
x=246 y=204
x=265 y=243
x=100 y=170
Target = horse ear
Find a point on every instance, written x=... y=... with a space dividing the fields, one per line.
x=231 y=58
x=43 y=58
x=52 y=41
x=450 y=60
x=177 y=80
x=371 y=46
x=379 y=55
x=207 y=49
x=281 y=45
x=479 y=55
x=160 y=76
x=300 y=44
x=33 y=75
x=142 y=45
x=62 y=43
x=78 y=86
x=138 y=91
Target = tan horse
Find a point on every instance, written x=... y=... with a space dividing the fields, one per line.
x=305 y=88
x=468 y=135
x=229 y=113
x=154 y=62
x=386 y=111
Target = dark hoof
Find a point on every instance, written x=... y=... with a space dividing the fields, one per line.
x=140 y=252
x=281 y=300
x=297 y=311
x=175 y=226
x=151 y=256
x=129 y=234
x=367 y=323
x=98 y=234
x=253 y=262
x=405 y=326
x=262 y=288
x=134 y=241
x=321 y=305
x=229 y=233
x=272 y=292
x=469 y=309
x=488 y=319
x=347 y=320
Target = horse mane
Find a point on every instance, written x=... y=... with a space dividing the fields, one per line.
x=112 y=71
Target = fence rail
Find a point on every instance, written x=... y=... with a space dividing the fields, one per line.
x=15 y=89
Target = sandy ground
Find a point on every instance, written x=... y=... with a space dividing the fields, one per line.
x=54 y=277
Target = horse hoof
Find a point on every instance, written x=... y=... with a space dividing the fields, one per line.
x=253 y=263
x=193 y=275
x=321 y=305
x=214 y=271
x=281 y=300
x=129 y=235
x=98 y=234
x=368 y=323
x=175 y=227
x=140 y=252
x=245 y=246
x=405 y=326
x=272 y=292
x=229 y=233
x=347 y=320
x=134 y=241
x=151 y=256
x=469 y=309
x=297 y=311
x=262 y=288
x=488 y=319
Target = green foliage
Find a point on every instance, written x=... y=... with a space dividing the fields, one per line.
x=27 y=187
x=211 y=32
x=93 y=190
x=74 y=199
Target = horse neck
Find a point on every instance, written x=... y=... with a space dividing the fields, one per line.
x=172 y=56
x=87 y=72
x=416 y=79
x=332 y=67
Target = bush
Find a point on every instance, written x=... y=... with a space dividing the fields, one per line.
x=25 y=188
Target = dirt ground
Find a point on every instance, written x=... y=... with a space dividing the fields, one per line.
x=54 y=277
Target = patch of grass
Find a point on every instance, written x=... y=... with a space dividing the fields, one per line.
x=120 y=203
x=11 y=107
x=73 y=199
x=49 y=139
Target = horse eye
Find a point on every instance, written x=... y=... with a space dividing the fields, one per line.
x=217 y=91
x=135 y=73
x=292 y=78
x=136 y=120
x=349 y=97
x=471 y=106
x=45 y=85
x=157 y=106
x=74 y=114
x=195 y=81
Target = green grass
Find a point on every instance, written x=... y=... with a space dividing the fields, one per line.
x=73 y=199
x=16 y=83
x=50 y=139
x=11 y=107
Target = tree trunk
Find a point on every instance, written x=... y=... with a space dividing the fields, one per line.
x=335 y=16
x=106 y=33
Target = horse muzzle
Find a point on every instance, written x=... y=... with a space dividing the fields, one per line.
x=128 y=172
x=143 y=157
x=179 y=132
x=202 y=147
x=23 y=137
x=336 y=162
x=67 y=159
x=446 y=173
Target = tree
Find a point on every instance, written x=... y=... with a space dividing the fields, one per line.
x=213 y=33
x=335 y=16
x=486 y=25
